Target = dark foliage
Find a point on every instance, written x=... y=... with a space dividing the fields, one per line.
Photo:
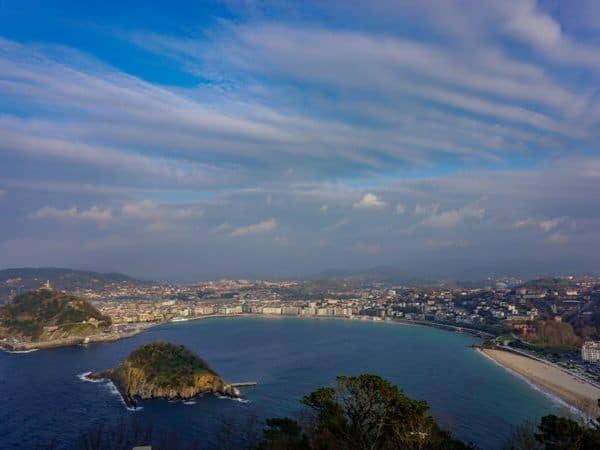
x=361 y=412
x=556 y=433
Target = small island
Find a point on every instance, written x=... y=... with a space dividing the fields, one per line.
x=49 y=318
x=162 y=370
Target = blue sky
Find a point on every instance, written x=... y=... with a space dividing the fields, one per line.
x=187 y=140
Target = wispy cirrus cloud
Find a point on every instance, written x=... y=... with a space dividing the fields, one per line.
x=256 y=228
x=469 y=128
x=453 y=217
x=93 y=214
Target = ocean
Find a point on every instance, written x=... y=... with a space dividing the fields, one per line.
x=44 y=399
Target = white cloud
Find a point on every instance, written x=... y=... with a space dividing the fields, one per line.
x=145 y=209
x=533 y=26
x=525 y=223
x=551 y=224
x=93 y=214
x=421 y=210
x=370 y=201
x=545 y=225
x=260 y=227
x=453 y=217
x=152 y=210
x=400 y=208
x=222 y=228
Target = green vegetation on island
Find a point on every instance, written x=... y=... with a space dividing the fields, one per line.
x=47 y=315
x=164 y=370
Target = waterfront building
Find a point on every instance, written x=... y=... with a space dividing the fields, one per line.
x=590 y=351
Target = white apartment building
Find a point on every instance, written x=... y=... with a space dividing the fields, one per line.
x=590 y=351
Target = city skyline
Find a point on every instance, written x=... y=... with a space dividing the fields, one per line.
x=282 y=139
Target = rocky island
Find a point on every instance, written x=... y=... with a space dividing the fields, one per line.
x=161 y=370
x=49 y=318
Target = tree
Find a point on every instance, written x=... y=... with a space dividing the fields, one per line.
x=523 y=438
x=556 y=433
x=284 y=434
x=366 y=412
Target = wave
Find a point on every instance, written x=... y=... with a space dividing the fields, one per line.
x=235 y=399
x=113 y=390
x=20 y=351
x=189 y=402
x=84 y=377
x=110 y=386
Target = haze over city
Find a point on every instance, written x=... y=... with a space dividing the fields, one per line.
x=281 y=139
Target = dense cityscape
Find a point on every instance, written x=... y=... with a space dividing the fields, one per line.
x=555 y=318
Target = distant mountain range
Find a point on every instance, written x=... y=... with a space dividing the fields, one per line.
x=382 y=274
x=391 y=275
x=19 y=280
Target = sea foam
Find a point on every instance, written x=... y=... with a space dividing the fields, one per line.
x=240 y=400
x=110 y=386
x=16 y=352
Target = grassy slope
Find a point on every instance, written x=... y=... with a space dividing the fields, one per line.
x=28 y=314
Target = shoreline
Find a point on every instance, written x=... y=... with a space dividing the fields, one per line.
x=28 y=347
x=132 y=403
x=555 y=382
x=430 y=324
x=563 y=387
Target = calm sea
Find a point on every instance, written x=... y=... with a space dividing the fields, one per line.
x=42 y=399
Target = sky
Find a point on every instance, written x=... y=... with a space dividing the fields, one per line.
x=275 y=139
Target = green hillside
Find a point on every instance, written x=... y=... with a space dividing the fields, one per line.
x=167 y=371
x=47 y=314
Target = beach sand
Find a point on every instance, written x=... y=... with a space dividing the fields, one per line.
x=573 y=391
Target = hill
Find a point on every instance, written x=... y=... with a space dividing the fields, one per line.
x=548 y=283
x=379 y=274
x=164 y=370
x=47 y=315
x=554 y=335
x=15 y=281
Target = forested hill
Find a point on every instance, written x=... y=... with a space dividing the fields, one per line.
x=47 y=315
x=16 y=281
x=164 y=370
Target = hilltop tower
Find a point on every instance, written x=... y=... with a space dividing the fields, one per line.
x=46 y=286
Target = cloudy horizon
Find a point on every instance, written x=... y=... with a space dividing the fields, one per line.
x=274 y=139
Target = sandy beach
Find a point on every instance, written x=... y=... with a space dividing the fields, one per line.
x=575 y=392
